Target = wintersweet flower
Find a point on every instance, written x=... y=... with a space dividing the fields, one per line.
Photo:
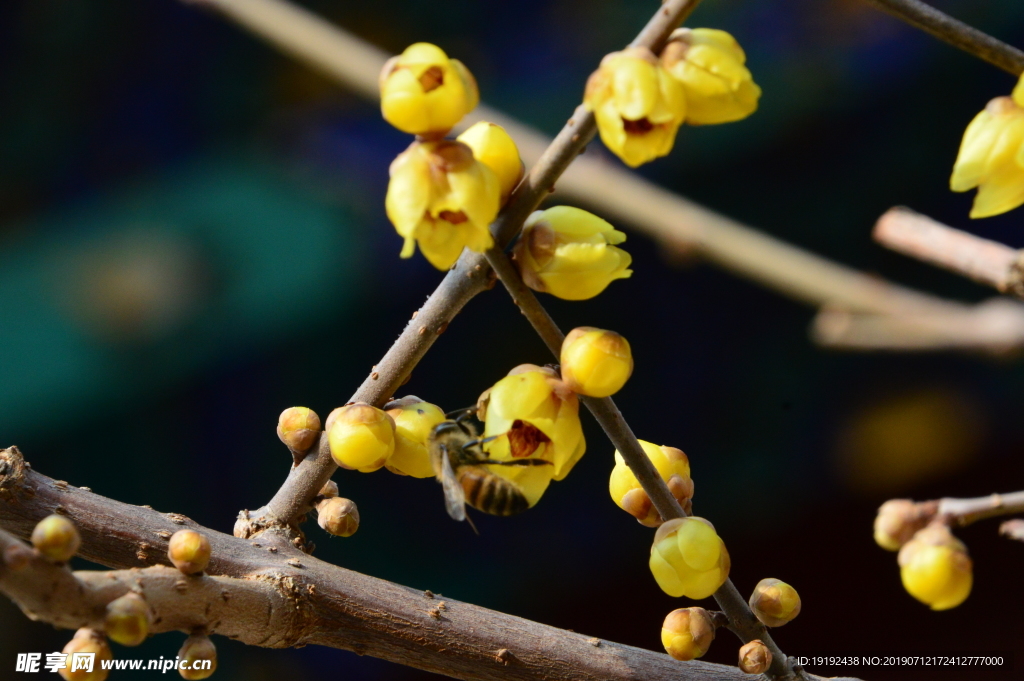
x=688 y=558
x=595 y=362
x=414 y=421
x=361 y=437
x=496 y=149
x=570 y=253
x=710 y=65
x=442 y=198
x=531 y=413
x=627 y=493
x=423 y=92
x=774 y=602
x=687 y=633
x=637 y=104
x=991 y=157
x=936 y=569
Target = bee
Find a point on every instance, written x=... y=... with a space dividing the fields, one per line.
x=460 y=465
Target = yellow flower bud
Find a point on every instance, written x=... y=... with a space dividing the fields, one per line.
x=86 y=641
x=56 y=538
x=774 y=602
x=128 y=620
x=688 y=558
x=687 y=633
x=414 y=420
x=595 y=362
x=755 y=658
x=199 y=658
x=423 y=92
x=493 y=147
x=361 y=437
x=189 y=551
x=570 y=253
x=533 y=414
x=298 y=428
x=935 y=568
x=442 y=198
x=673 y=467
x=710 y=65
x=338 y=516
x=900 y=519
x=638 y=106
x=991 y=157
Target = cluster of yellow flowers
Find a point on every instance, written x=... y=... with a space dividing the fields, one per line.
x=640 y=99
x=934 y=565
x=991 y=156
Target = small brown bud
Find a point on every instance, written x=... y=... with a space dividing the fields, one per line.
x=189 y=551
x=899 y=519
x=338 y=516
x=17 y=556
x=774 y=602
x=199 y=658
x=128 y=620
x=86 y=641
x=298 y=428
x=687 y=633
x=56 y=538
x=755 y=658
x=330 y=489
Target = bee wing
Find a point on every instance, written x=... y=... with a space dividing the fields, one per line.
x=454 y=496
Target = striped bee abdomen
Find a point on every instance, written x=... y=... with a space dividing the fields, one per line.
x=491 y=493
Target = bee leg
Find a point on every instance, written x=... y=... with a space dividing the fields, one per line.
x=469 y=520
x=518 y=462
x=474 y=443
x=461 y=414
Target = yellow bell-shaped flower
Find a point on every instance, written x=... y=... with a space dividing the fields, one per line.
x=991 y=157
x=936 y=569
x=595 y=362
x=710 y=65
x=674 y=468
x=442 y=198
x=423 y=92
x=532 y=414
x=570 y=253
x=414 y=421
x=496 y=149
x=361 y=437
x=688 y=558
x=687 y=633
x=637 y=104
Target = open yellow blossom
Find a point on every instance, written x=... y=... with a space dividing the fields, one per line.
x=570 y=253
x=710 y=65
x=423 y=92
x=496 y=149
x=442 y=198
x=637 y=104
x=688 y=558
x=532 y=414
x=414 y=420
x=361 y=437
x=991 y=157
x=936 y=569
x=674 y=468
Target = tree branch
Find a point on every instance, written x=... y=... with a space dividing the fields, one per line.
x=963 y=512
x=986 y=262
x=955 y=32
x=282 y=597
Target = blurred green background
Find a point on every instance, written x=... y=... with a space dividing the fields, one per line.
x=193 y=238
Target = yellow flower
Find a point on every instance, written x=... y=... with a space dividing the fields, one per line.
x=673 y=467
x=774 y=602
x=414 y=420
x=442 y=198
x=687 y=633
x=532 y=414
x=423 y=92
x=496 y=149
x=688 y=558
x=710 y=65
x=991 y=157
x=898 y=520
x=361 y=437
x=637 y=104
x=570 y=253
x=595 y=362
x=935 y=568
x=86 y=641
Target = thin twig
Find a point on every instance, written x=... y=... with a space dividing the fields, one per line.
x=741 y=621
x=956 y=33
x=986 y=262
x=962 y=512
x=282 y=597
